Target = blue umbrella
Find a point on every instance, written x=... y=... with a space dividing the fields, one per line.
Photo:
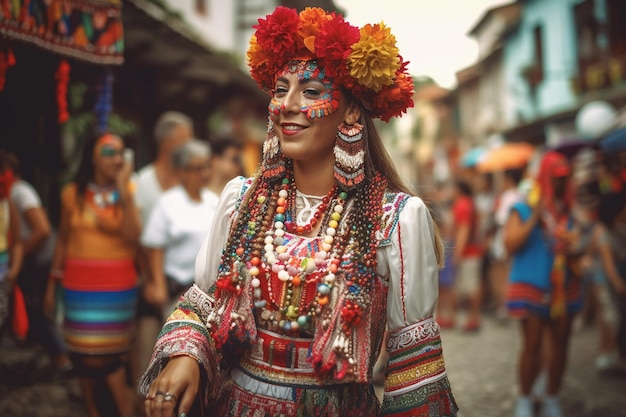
x=472 y=157
x=614 y=141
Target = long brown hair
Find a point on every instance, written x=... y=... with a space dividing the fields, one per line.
x=377 y=159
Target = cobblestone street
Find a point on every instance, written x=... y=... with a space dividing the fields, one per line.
x=480 y=366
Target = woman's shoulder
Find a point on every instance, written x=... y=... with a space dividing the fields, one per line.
x=393 y=204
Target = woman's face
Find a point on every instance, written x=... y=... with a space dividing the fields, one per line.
x=306 y=108
x=108 y=157
x=195 y=174
x=559 y=186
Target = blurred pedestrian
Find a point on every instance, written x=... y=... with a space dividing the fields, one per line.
x=501 y=261
x=467 y=256
x=446 y=305
x=38 y=241
x=484 y=198
x=94 y=260
x=11 y=246
x=225 y=162
x=171 y=130
x=604 y=282
x=613 y=206
x=544 y=289
x=178 y=225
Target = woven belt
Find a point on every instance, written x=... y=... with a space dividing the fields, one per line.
x=280 y=360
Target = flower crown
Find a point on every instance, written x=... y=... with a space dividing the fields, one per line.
x=364 y=61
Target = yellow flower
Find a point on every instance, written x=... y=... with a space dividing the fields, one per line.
x=374 y=59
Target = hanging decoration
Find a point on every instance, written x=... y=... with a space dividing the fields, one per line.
x=62 y=77
x=104 y=102
x=89 y=30
x=7 y=60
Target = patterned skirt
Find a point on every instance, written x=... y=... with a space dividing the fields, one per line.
x=99 y=298
x=524 y=300
x=277 y=380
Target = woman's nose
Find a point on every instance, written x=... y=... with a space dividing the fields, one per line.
x=291 y=103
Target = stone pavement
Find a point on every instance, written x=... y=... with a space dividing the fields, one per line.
x=482 y=371
x=481 y=367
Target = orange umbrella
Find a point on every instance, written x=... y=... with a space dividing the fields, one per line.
x=507 y=156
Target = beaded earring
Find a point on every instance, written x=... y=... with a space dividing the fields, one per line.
x=349 y=156
x=273 y=164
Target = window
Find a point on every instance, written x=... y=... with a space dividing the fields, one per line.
x=616 y=10
x=538 y=43
x=201 y=8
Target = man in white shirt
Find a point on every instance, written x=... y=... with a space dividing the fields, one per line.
x=172 y=130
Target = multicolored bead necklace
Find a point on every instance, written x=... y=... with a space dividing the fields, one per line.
x=291 y=274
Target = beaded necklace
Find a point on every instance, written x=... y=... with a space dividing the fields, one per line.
x=340 y=272
x=103 y=195
x=293 y=275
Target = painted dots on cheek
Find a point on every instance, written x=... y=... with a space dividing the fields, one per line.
x=275 y=106
x=328 y=101
x=324 y=106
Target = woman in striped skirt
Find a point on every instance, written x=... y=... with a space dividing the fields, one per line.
x=94 y=262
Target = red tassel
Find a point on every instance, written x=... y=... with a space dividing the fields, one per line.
x=20 y=315
x=62 y=76
x=7 y=60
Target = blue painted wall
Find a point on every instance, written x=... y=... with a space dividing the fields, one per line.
x=554 y=94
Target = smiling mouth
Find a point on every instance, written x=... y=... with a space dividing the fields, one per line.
x=293 y=127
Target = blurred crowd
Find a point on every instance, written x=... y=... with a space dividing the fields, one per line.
x=539 y=242
x=95 y=291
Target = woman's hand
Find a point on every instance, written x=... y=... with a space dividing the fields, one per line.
x=49 y=299
x=155 y=293
x=175 y=389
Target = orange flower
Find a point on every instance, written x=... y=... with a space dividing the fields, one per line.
x=311 y=19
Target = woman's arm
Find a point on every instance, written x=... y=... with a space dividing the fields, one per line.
x=58 y=259
x=416 y=379
x=156 y=286
x=37 y=219
x=131 y=220
x=516 y=231
x=608 y=261
x=16 y=252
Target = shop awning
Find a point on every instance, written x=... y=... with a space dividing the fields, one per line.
x=88 y=30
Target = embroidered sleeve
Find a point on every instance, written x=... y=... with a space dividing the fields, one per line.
x=416 y=382
x=185 y=333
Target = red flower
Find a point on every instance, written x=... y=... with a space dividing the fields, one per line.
x=336 y=39
x=395 y=99
x=278 y=32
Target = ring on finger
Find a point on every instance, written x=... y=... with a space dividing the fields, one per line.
x=169 y=397
x=161 y=393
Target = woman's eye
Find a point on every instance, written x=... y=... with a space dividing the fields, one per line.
x=280 y=91
x=312 y=92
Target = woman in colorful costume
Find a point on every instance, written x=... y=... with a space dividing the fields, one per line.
x=309 y=263
x=544 y=280
x=94 y=262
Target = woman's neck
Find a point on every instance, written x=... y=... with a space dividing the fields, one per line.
x=313 y=178
x=102 y=181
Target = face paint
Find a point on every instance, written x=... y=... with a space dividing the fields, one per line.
x=324 y=103
x=108 y=145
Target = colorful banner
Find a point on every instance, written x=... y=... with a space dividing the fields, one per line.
x=89 y=30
